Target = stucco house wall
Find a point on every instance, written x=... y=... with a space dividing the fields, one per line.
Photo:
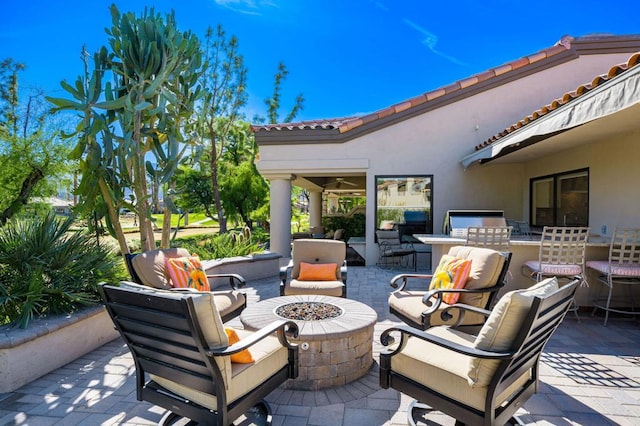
x=614 y=193
x=435 y=141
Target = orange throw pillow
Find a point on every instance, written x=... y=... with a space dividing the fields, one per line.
x=452 y=272
x=242 y=357
x=317 y=271
x=185 y=272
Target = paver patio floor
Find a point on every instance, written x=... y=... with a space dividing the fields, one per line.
x=590 y=376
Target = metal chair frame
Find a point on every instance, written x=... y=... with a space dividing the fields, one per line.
x=544 y=317
x=166 y=340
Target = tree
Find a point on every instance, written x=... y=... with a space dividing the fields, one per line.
x=224 y=82
x=32 y=156
x=134 y=127
x=273 y=103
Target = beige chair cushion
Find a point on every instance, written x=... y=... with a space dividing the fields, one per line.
x=150 y=266
x=409 y=304
x=269 y=357
x=227 y=301
x=317 y=251
x=327 y=288
x=486 y=265
x=445 y=371
x=207 y=316
x=502 y=326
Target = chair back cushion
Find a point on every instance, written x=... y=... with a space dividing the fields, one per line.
x=501 y=328
x=207 y=316
x=391 y=237
x=317 y=251
x=486 y=266
x=150 y=266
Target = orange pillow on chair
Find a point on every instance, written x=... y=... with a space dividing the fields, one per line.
x=187 y=272
x=242 y=357
x=317 y=271
x=451 y=272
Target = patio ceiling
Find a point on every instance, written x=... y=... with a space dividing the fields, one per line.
x=608 y=106
x=345 y=184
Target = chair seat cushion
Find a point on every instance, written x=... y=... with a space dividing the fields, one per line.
x=409 y=304
x=445 y=371
x=327 y=288
x=551 y=269
x=269 y=357
x=621 y=270
x=227 y=301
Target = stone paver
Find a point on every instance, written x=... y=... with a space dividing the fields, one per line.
x=590 y=375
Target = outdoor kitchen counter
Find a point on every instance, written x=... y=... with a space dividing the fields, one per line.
x=525 y=248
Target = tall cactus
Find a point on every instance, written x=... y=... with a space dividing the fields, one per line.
x=138 y=127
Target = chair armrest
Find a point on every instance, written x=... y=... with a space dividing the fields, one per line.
x=284 y=271
x=343 y=272
x=404 y=277
x=437 y=293
x=235 y=281
x=285 y=330
x=405 y=332
x=445 y=315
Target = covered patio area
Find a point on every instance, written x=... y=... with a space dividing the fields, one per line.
x=590 y=376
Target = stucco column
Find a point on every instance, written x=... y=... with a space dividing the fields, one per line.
x=315 y=208
x=280 y=215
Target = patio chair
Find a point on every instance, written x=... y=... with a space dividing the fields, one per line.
x=425 y=308
x=622 y=269
x=148 y=268
x=185 y=361
x=391 y=247
x=317 y=266
x=483 y=378
x=493 y=237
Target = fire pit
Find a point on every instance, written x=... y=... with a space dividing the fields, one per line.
x=309 y=311
x=335 y=336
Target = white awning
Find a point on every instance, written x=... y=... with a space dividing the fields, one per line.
x=611 y=97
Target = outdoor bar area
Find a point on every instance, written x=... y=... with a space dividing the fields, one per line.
x=524 y=247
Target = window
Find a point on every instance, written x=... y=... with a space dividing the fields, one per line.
x=561 y=199
x=404 y=203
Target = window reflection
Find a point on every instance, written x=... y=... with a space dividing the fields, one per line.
x=561 y=199
x=404 y=203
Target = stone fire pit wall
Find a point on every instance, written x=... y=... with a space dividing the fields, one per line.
x=333 y=351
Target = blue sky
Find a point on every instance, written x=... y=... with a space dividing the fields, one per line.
x=348 y=57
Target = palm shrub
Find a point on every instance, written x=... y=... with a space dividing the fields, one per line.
x=48 y=269
x=231 y=244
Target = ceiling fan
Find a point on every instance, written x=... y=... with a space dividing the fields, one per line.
x=337 y=184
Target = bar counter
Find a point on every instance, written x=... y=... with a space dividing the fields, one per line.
x=525 y=248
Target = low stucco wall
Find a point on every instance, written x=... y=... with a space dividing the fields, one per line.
x=49 y=344
x=252 y=267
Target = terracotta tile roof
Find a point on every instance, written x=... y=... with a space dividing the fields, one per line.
x=598 y=80
x=348 y=123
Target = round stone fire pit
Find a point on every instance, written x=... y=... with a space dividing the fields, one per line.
x=335 y=338
x=308 y=311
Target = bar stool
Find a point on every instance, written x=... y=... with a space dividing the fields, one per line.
x=622 y=268
x=561 y=255
x=493 y=237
